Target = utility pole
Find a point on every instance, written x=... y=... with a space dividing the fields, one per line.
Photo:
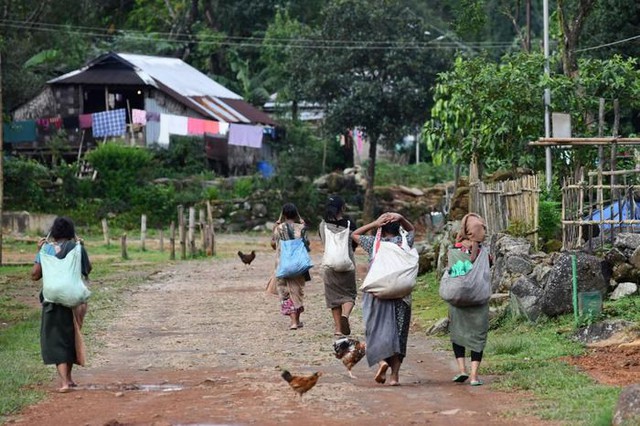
x=547 y=93
x=1 y=154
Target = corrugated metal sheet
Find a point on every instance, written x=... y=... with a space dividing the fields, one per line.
x=172 y=76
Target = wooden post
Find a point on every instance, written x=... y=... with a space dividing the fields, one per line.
x=192 y=233
x=181 y=233
x=211 y=228
x=172 y=240
x=123 y=246
x=161 y=237
x=143 y=231
x=105 y=232
x=202 y=228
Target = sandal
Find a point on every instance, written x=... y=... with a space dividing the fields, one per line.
x=293 y=327
x=344 y=326
x=461 y=378
x=476 y=383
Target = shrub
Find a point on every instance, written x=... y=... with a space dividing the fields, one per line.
x=549 y=216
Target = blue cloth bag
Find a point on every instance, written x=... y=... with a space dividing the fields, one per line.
x=294 y=259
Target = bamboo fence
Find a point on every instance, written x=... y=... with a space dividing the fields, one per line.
x=508 y=203
x=610 y=196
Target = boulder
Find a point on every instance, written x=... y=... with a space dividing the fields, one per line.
x=600 y=331
x=440 y=327
x=626 y=241
x=525 y=299
x=623 y=290
x=627 y=410
x=557 y=298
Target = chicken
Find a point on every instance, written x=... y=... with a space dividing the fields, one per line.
x=350 y=351
x=247 y=258
x=301 y=384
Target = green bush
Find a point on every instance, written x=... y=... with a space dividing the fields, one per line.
x=549 y=216
x=24 y=185
x=420 y=175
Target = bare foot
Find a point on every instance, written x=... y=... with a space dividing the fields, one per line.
x=381 y=375
x=65 y=389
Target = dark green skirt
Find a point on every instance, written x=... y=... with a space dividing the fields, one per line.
x=57 y=336
x=469 y=326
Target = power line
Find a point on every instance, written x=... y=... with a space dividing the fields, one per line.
x=305 y=43
x=613 y=43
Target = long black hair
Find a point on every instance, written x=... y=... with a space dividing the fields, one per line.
x=63 y=228
x=290 y=211
x=334 y=207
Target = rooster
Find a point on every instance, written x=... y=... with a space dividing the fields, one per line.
x=247 y=258
x=301 y=384
x=350 y=351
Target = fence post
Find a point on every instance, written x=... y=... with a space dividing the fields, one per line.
x=181 y=233
x=192 y=236
x=123 y=246
x=212 y=231
x=143 y=231
x=161 y=237
x=105 y=232
x=172 y=241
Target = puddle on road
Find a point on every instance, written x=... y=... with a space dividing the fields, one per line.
x=136 y=387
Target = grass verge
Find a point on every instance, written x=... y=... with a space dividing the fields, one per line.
x=529 y=357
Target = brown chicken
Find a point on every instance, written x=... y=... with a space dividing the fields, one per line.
x=301 y=384
x=247 y=258
x=350 y=351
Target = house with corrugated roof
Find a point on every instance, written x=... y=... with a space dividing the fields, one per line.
x=160 y=87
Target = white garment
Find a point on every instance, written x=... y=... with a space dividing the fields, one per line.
x=223 y=127
x=172 y=125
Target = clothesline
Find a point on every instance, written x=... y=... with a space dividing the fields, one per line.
x=113 y=123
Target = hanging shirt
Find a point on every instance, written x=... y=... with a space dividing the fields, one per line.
x=109 y=123
x=245 y=135
x=139 y=116
x=86 y=121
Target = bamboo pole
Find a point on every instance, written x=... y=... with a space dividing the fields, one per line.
x=212 y=229
x=161 y=238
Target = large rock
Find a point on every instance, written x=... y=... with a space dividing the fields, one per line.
x=557 y=298
x=525 y=299
x=627 y=410
x=624 y=290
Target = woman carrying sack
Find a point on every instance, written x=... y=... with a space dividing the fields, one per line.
x=290 y=287
x=60 y=338
x=469 y=325
x=338 y=272
x=386 y=320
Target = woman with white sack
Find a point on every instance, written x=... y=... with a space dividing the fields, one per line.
x=386 y=318
x=338 y=272
x=62 y=262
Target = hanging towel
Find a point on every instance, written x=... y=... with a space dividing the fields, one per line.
x=85 y=121
x=139 y=116
x=245 y=135
x=223 y=126
x=195 y=126
x=19 y=131
x=211 y=127
x=109 y=123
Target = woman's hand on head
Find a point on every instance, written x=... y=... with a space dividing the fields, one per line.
x=41 y=242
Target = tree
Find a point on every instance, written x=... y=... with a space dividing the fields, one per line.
x=572 y=15
x=372 y=65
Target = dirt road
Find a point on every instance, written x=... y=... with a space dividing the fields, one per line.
x=200 y=342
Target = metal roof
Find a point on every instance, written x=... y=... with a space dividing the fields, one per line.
x=172 y=76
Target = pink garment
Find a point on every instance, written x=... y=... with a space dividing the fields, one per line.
x=85 y=121
x=195 y=126
x=211 y=127
x=139 y=116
